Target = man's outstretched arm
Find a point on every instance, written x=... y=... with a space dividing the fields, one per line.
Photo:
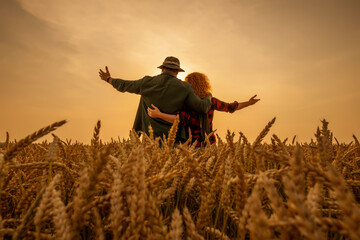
x=120 y=84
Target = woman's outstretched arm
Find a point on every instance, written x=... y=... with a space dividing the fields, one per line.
x=232 y=107
x=155 y=113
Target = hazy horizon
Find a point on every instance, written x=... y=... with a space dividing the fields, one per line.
x=301 y=58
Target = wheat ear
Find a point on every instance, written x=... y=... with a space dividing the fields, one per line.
x=176 y=226
x=190 y=226
x=263 y=133
x=14 y=150
x=95 y=140
x=173 y=131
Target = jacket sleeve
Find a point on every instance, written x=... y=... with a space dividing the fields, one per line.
x=128 y=86
x=195 y=103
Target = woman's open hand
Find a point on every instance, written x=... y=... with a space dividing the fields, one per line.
x=253 y=100
x=155 y=112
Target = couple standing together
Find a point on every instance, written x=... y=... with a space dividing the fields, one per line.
x=164 y=96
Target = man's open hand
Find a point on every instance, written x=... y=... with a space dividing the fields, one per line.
x=105 y=75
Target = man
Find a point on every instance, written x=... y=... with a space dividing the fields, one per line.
x=165 y=91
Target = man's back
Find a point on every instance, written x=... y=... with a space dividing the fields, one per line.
x=165 y=91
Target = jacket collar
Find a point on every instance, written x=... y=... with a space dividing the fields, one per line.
x=167 y=73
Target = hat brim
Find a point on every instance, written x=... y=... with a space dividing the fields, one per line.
x=171 y=67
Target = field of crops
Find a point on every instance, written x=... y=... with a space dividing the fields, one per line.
x=132 y=189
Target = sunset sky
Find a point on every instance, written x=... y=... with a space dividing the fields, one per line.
x=302 y=59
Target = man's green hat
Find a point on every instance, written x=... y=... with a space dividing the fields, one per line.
x=172 y=63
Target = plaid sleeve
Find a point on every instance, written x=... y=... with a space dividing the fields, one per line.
x=184 y=117
x=223 y=106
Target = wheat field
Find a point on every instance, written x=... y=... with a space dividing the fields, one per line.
x=132 y=189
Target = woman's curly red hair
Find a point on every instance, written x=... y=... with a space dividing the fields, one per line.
x=200 y=83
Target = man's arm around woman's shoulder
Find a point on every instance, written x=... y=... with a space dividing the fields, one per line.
x=194 y=102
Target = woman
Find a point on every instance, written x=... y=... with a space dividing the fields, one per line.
x=200 y=124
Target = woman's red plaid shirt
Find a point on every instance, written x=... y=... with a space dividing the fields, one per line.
x=191 y=119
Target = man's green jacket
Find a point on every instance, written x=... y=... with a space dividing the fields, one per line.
x=166 y=92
